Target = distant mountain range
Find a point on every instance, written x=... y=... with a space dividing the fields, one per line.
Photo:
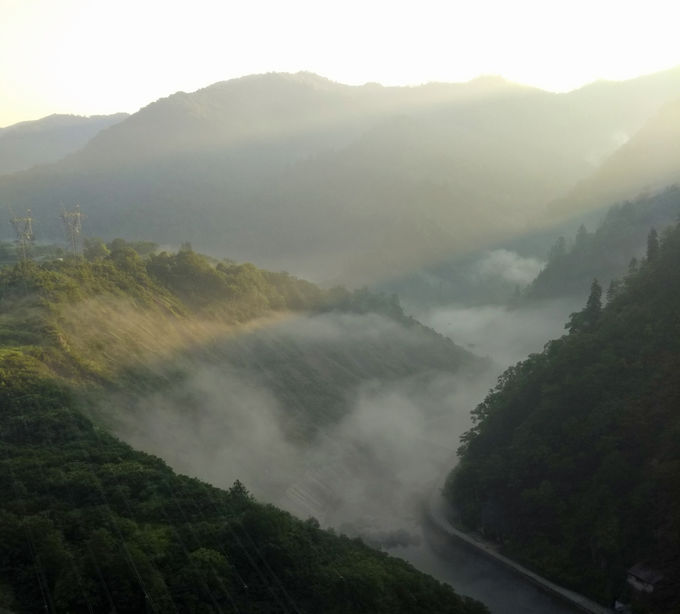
x=49 y=139
x=341 y=182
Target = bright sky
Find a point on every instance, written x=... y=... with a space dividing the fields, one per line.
x=102 y=56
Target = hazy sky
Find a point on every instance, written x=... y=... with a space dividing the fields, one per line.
x=102 y=56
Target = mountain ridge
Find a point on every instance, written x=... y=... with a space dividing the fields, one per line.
x=258 y=167
x=47 y=140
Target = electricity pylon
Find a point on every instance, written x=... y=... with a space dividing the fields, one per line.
x=73 y=224
x=23 y=227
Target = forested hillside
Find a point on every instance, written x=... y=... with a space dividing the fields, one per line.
x=606 y=252
x=90 y=525
x=573 y=464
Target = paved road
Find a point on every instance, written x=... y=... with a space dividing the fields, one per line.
x=476 y=569
x=476 y=575
x=437 y=520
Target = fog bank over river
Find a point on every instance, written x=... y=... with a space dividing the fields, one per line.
x=506 y=336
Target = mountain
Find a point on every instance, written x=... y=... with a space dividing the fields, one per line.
x=269 y=167
x=89 y=524
x=573 y=464
x=49 y=139
x=645 y=164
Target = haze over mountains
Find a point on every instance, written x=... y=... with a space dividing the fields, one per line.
x=648 y=162
x=341 y=182
x=48 y=139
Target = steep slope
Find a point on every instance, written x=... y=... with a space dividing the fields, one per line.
x=644 y=164
x=268 y=167
x=573 y=464
x=92 y=303
x=319 y=384
x=49 y=139
x=606 y=253
x=88 y=524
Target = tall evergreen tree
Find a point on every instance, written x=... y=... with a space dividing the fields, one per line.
x=594 y=303
x=590 y=314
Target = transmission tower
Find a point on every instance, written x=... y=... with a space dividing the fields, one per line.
x=23 y=227
x=73 y=224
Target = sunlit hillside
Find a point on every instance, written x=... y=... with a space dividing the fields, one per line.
x=129 y=340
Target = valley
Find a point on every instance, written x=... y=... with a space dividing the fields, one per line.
x=342 y=324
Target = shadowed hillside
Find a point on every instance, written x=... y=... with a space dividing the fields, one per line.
x=607 y=252
x=573 y=463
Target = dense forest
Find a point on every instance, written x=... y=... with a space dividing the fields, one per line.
x=90 y=525
x=573 y=463
x=606 y=252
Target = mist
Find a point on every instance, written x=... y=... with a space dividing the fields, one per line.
x=385 y=456
x=504 y=334
x=374 y=469
x=246 y=408
x=507 y=265
x=365 y=473
x=342 y=417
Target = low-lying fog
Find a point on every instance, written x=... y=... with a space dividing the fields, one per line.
x=364 y=473
x=503 y=334
x=368 y=473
